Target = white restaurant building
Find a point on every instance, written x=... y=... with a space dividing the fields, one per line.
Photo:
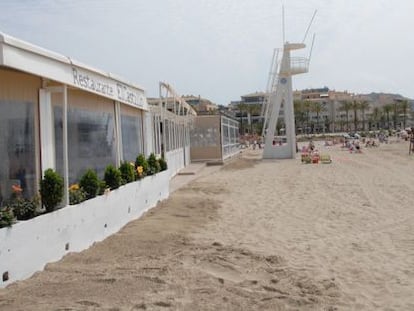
x=58 y=113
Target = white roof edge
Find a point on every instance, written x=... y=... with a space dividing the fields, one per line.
x=24 y=45
x=32 y=48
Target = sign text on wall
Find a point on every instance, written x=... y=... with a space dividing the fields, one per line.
x=117 y=91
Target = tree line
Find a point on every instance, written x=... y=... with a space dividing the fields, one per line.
x=356 y=115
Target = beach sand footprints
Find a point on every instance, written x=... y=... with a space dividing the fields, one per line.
x=264 y=280
x=240 y=164
x=88 y=303
x=200 y=187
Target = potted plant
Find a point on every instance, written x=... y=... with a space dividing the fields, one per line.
x=112 y=177
x=141 y=166
x=51 y=189
x=76 y=194
x=6 y=217
x=153 y=165
x=22 y=208
x=163 y=164
x=127 y=170
x=89 y=182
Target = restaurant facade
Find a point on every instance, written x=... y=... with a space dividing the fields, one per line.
x=58 y=113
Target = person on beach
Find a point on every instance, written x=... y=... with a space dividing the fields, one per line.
x=311 y=146
x=357 y=146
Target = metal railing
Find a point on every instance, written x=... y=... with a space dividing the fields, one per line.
x=297 y=65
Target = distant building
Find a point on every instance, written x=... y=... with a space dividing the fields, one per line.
x=201 y=105
x=323 y=110
x=335 y=111
x=320 y=110
x=248 y=112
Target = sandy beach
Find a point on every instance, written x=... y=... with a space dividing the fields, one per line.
x=253 y=235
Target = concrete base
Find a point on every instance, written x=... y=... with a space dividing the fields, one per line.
x=278 y=152
x=29 y=245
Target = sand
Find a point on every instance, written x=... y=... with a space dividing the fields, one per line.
x=253 y=235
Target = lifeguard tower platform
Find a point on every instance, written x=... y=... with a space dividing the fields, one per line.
x=280 y=95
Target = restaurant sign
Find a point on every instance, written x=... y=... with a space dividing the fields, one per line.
x=107 y=87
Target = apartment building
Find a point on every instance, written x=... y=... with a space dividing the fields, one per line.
x=322 y=110
x=201 y=105
x=248 y=111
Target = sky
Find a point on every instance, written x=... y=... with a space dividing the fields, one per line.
x=222 y=49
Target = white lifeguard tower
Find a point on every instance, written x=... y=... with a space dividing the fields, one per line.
x=279 y=91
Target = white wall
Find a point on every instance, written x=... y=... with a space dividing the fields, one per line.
x=175 y=160
x=187 y=155
x=28 y=246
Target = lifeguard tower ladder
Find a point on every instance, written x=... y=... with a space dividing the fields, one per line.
x=279 y=91
x=282 y=95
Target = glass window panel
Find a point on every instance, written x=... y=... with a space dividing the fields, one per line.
x=17 y=148
x=91 y=141
x=131 y=126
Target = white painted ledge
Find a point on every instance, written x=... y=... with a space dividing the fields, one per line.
x=28 y=246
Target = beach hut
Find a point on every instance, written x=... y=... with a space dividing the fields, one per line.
x=214 y=138
x=172 y=118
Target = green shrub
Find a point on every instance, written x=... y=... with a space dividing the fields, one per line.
x=76 y=194
x=163 y=164
x=51 y=189
x=6 y=217
x=112 y=177
x=22 y=208
x=127 y=172
x=102 y=187
x=141 y=161
x=153 y=165
x=89 y=182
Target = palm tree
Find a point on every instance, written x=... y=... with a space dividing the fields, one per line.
x=363 y=106
x=395 y=114
x=355 y=108
x=387 y=109
x=327 y=123
x=318 y=107
x=403 y=108
x=307 y=104
x=341 y=124
x=375 y=117
x=253 y=110
x=346 y=106
x=300 y=113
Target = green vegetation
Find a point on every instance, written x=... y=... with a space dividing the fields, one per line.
x=51 y=190
x=6 y=217
x=153 y=165
x=141 y=161
x=90 y=183
x=112 y=177
x=127 y=172
x=163 y=164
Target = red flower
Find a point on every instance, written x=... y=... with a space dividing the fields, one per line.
x=17 y=189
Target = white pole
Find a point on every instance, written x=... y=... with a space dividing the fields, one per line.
x=283 y=24
x=65 y=147
x=118 y=132
x=307 y=30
